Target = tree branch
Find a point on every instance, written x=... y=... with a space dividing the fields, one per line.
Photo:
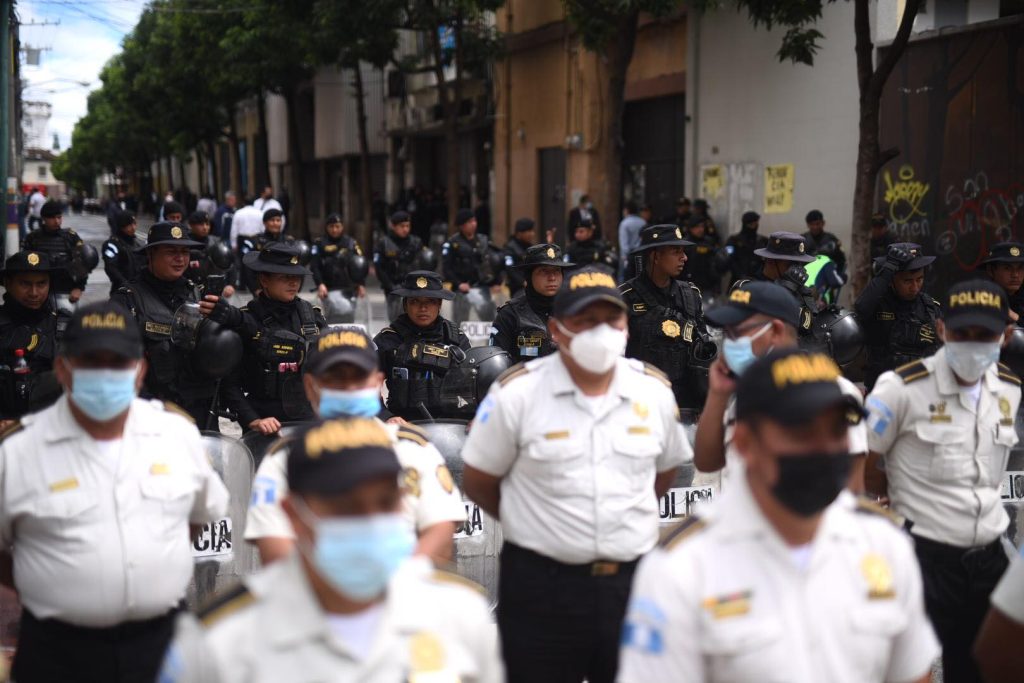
x=884 y=157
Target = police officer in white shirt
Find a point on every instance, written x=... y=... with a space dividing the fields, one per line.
x=571 y=452
x=343 y=380
x=786 y=578
x=997 y=651
x=757 y=317
x=97 y=495
x=350 y=604
x=944 y=427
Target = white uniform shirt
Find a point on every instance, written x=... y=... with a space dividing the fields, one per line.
x=857 y=434
x=578 y=486
x=98 y=538
x=1008 y=596
x=35 y=204
x=944 y=457
x=432 y=628
x=246 y=222
x=430 y=498
x=726 y=599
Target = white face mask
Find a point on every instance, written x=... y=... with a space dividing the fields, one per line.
x=970 y=360
x=596 y=349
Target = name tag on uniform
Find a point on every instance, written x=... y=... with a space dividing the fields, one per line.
x=639 y=308
x=439 y=351
x=159 y=468
x=639 y=430
x=555 y=436
x=726 y=606
x=886 y=316
x=64 y=485
x=158 y=328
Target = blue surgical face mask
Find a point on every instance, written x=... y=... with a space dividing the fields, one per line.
x=358 y=403
x=359 y=555
x=739 y=353
x=103 y=393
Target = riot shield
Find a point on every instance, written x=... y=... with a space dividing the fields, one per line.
x=478 y=541
x=338 y=308
x=258 y=443
x=221 y=555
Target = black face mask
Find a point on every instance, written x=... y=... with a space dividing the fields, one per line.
x=808 y=483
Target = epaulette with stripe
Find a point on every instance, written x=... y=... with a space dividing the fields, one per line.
x=869 y=507
x=1008 y=375
x=517 y=370
x=442 y=576
x=913 y=371
x=218 y=608
x=657 y=374
x=388 y=329
x=178 y=410
x=409 y=432
x=682 y=531
x=624 y=288
x=11 y=430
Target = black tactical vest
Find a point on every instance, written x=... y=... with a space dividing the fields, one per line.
x=418 y=367
x=531 y=334
x=274 y=371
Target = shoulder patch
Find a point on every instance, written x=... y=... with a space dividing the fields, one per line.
x=11 y=430
x=517 y=370
x=682 y=531
x=225 y=605
x=409 y=432
x=175 y=408
x=657 y=374
x=1008 y=375
x=913 y=371
x=456 y=580
x=869 y=507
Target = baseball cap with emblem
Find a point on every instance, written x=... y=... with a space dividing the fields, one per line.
x=666 y=235
x=102 y=326
x=918 y=259
x=785 y=246
x=335 y=456
x=792 y=387
x=51 y=209
x=543 y=255
x=28 y=262
x=755 y=297
x=277 y=257
x=980 y=303
x=400 y=217
x=1005 y=252
x=173 y=234
x=584 y=287
x=341 y=346
x=333 y=218
x=423 y=284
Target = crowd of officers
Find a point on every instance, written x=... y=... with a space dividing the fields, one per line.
x=853 y=539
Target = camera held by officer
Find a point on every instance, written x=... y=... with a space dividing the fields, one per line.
x=211 y=264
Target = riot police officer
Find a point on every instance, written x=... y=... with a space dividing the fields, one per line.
x=121 y=261
x=154 y=300
x=419 y=348
x=521 y=326
x=897 y=316
x=467 y=265
x=701 y=265
x=515 y=254
x=743 y=263
x=338 y=267
x=666 y=318
x=212 y=257
x=1005 y=265
x=273 y=231
x=784 y=256
x=276 y=328
x=395 y=255
x=587 y=249
x=881 y=236
x=821 y=242
x=28 y=336
x=64 y=248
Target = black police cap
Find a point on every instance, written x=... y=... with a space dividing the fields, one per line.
x=272 y=213
x=917 y=261
x=980 y=303
x=423 y=284
x=335 y=456
x=284 y=258
x=166 y=233
x=665 y=235
x=785 y=246
x=400 y=217
x=51 y=209
x=341 y=346
x=463 y=216
x=584 y=287
x=28 y=262
x=102 y=326
x=543 y=255
x=197 y=217
x=524 y=225
x=1005 y=252
x=173 y=207
x=754 y=297
x=814 y=215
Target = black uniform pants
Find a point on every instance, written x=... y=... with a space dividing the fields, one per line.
x=560 y=623
x=957 y=586
x=53 y=651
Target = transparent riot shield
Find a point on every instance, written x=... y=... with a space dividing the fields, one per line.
x=478 y=541
x=338 y=308
x=221 y=556
x=1012 y=486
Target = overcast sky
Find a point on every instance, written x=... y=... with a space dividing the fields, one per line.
x=90 y=33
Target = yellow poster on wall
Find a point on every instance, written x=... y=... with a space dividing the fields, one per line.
x=778 y=188
x=712 y=182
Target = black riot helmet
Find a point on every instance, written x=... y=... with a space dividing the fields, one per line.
x=842 y=334
x=466 y=384
x=305 y=252
x=220 y=255
x=358 y=267
x=426 y=259
x=1013 y=352
x=217 y=351
x=83 y=260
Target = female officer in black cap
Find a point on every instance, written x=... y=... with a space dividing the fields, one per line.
x=276 y=327
x=419 y=346
x=521 y=326
x=1005 y=265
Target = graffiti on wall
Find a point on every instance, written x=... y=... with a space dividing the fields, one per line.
x=973 y=207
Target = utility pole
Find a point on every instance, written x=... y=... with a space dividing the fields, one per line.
x=6 y=66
